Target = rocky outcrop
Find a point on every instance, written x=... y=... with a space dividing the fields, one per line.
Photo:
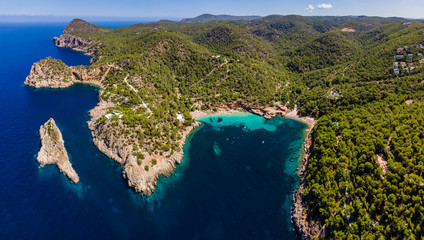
x=145 y=181
x=76 y=43
x=53 y=150
x=115 y=146
x=49 y=73
x=71 y=39
x=53 y=73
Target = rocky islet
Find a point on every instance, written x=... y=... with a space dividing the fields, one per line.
x=53 y=150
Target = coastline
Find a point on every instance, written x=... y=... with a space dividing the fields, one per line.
x=113 y=146
x=302 y=227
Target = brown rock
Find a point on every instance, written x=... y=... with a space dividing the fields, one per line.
x=53 y=150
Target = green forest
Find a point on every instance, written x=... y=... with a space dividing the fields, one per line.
x=365 y=174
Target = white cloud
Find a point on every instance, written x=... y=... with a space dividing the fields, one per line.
x=310 y=7
x=325 y=6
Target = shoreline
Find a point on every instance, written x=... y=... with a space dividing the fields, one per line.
x=298 y=213
x=301 y=226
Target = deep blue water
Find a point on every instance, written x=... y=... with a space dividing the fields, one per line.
x=235 y=182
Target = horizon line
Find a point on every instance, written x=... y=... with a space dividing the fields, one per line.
x=133 y=18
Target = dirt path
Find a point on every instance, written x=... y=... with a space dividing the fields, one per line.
x=135 y=90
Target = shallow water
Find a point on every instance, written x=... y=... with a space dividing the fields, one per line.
x=235 y=181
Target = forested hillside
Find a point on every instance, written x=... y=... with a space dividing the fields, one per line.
x=361 y=77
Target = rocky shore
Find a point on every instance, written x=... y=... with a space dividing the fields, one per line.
x=114 y=146
x=69 y=40
x=53 y=150
x=304 y=226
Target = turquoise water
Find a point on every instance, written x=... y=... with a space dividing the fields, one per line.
x=235 y=182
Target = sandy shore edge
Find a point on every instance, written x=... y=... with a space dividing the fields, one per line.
x=298 y=213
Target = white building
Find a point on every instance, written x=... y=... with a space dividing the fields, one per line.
x=110 y=115
x=180 y=117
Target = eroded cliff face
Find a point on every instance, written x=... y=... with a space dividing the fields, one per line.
x=53 y=73
x=53 y=150
x=70 y=38
x=76 y=43
x=141 y=174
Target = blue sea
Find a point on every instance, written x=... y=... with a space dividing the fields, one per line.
x=236 y=180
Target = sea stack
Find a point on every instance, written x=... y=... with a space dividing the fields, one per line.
x=53 y=150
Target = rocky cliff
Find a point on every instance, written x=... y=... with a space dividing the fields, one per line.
x=76 y=43
x=141 y=174
x=53 y=150
x=304 y=225
x=53 y=73
x=71 y=37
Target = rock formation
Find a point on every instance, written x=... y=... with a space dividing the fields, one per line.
x=115 y=146
x=53 y=150
x=53 y=73
x=69 y=39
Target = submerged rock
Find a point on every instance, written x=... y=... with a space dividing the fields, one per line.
x=53 y=150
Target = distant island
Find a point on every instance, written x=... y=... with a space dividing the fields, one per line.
x=360 y=77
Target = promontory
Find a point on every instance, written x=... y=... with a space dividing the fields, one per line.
x=53 y=150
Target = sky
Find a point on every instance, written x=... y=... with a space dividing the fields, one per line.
x=177 y=9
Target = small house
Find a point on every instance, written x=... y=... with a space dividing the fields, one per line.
x=411 y=55
x=399 y=50
x=398 y=56
x=110 y=115
x=396 y=64
x=180 y=117
x=403 y=64
x=396 y=71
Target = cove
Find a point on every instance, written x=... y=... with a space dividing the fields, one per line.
x=235 y=182
x=237 y=179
